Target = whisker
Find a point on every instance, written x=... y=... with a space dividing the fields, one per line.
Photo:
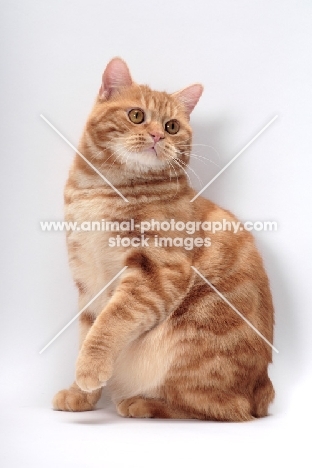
x=199 y=156
x=191 y=169
x=203 y=161
x=203 y=158
x=177 y=179
x=174 y=160
x=207 y=146
x=114 y=161
x=119 y=154
x=114 y=153
x=170 y=170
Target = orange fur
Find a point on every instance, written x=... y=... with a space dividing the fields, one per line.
x=161 y=339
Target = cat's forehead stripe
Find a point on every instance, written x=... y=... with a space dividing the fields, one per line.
x=159 y=103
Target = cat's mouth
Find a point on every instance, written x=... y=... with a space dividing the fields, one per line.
x=156 y=148
x=152 y=149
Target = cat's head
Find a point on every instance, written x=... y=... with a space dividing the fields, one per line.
x=138 y=128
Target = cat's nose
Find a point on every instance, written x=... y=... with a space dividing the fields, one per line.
x=157 y=136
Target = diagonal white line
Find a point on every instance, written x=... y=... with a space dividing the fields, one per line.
x=235 y=310
x=83 y=309
x=83 y=157
x=235 y=157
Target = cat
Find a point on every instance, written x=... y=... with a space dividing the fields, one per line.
x=161 y=339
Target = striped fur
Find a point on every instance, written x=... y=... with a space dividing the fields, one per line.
x=163 y=341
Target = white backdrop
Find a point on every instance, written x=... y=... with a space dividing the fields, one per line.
x=254 y=60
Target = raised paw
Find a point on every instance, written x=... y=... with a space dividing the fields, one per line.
x=73 y=399
x=92 y=372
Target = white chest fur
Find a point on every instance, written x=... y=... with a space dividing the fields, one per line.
x=93 y=262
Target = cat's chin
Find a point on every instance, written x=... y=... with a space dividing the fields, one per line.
x=145 y=161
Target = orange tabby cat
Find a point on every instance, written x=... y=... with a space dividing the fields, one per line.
x=163 y=341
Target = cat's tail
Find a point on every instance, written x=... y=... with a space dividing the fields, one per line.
x=263 y=395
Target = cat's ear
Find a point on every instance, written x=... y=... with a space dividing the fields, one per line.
x=116 y=75
x=189 y=96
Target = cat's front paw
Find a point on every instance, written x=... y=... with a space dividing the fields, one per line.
x=74 y=399
x=92 y=372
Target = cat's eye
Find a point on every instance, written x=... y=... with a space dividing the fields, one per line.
x=136 y=116
x=172 y=127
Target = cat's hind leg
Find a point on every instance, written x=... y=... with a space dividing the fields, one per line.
x=140 y=407
x=233 y=408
